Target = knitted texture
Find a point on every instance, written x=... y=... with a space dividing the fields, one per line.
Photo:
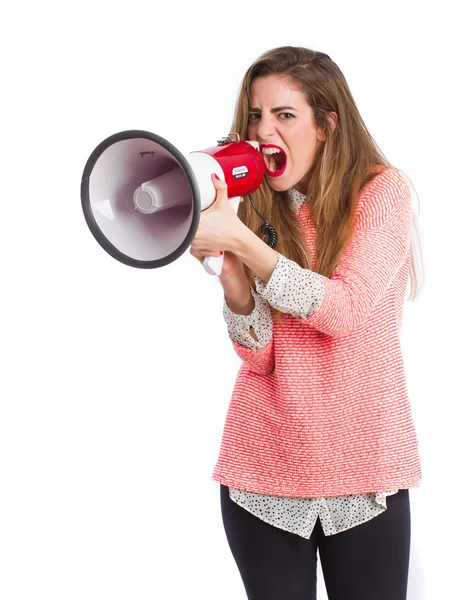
x=323 y=409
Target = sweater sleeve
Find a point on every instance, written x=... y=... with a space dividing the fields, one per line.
x=257 y=355
x=379 y=247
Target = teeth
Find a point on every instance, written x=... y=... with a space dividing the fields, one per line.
x=270 y=150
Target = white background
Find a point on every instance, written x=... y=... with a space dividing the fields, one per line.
x=115 y=381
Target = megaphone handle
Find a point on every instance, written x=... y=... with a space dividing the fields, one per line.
x=214 y=264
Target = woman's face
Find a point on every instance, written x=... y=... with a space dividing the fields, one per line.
x=281 y=119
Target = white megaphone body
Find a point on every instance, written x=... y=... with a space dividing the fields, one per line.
x=142 y=198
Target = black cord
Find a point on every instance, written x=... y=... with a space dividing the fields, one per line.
x=267 y=230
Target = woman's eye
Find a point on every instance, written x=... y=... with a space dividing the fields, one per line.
x=285 y=116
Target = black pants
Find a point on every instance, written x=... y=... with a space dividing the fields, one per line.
x=367 y=562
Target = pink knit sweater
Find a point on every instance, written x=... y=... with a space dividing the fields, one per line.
x=323 y=409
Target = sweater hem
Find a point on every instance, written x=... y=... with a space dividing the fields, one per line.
x=380 y=485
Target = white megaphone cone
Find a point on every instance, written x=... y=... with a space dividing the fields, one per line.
x=142 y=198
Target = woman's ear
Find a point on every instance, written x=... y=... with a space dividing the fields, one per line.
x=333 y=120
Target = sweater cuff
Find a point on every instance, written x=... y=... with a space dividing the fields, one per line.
x=239 y=325
x=292 y=289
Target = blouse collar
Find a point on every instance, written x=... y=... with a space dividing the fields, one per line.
x=297 y=199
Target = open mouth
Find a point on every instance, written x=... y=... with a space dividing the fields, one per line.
x=275 y=159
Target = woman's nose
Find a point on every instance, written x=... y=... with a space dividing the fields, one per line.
x=265 y=128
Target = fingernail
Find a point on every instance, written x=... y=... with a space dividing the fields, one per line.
x=221 y=252
x=216 y=176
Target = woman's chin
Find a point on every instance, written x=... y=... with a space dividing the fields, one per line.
x=279 y=184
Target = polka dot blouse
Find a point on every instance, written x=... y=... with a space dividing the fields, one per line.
x=302 y=294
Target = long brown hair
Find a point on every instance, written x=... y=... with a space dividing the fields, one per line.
x=345 y=162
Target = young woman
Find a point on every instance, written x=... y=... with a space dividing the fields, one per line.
x=319 y=430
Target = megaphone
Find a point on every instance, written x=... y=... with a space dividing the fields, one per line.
x=142 y=198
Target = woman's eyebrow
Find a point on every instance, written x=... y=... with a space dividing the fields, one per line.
x=273 y=110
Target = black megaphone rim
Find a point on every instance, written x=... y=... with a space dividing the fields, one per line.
x=93 y=225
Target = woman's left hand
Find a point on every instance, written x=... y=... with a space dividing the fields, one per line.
x=219 y=225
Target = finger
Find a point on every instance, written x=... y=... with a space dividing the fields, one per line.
x=201 y=255
x=220 y=186
x=196 y=254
